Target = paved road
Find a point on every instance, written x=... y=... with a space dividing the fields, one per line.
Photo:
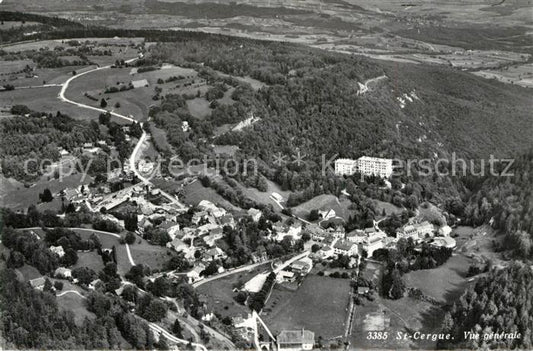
x=130 y=257
x=64 y=88
x=143 y=137
x=71 y=292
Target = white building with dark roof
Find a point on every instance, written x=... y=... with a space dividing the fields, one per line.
x=345 y=247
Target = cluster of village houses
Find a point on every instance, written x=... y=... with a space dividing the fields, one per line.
x=208 y=221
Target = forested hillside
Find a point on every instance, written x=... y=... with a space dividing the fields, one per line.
x=506 y=203
x=34 y=136
x=500 y=302
x=311 y=103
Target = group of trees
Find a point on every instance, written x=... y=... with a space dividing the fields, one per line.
x=504 y=202
x=403 y=259
x=34 y=251
x=499 y=302
x=36 y=139
x=257 y=300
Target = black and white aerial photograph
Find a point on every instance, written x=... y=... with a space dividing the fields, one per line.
x=266 y=175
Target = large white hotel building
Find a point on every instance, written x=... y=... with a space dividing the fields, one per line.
x=365 y=165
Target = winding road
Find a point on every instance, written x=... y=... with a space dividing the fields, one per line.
x=142 y=139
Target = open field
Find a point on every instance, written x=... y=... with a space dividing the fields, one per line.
x=76 y=304
x=393 y=316
x=196 y=192
x=387 y=206
x=41 y=76
x=444 y=283
x=44 y=100
x=218 y=294
x=4 y=25
x=325 y=202
x=27 y=272
x=318 y=305
x=478 y=243
x=16 y=196
x=264 y=197
x=121 y=44
x=134 y=102
x=516 y=74
x=153 y=256
x=90 y=260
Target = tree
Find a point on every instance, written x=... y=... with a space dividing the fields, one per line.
x=130 y=238
x=103 y=103
x=177 y=329
x=313 y=215
x=46 y=195
x=48 y=286
x=85 y=275
x=129 y=293
x=58 y=285
x=70 y=257
x=15 y=260
x=241 y=297
x=178 y=263
x=397 y=289
x=104 y=118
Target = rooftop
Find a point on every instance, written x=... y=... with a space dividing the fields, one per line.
x=296 y=337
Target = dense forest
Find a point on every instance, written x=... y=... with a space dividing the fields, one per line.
x=35 y=136
x=32 y=319
x=499 y=302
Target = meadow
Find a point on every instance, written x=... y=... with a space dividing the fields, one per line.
x=218 y=294
x=320 y=305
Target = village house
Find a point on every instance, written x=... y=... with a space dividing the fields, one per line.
x=194 y=274
x=355 y=236
x=259 y=256
x=326 y=251
x=345 y=247
x=445 y=230
x=293 y=231
x=37 y=283
x=174 y=231
x=338 y=232
x=363 y=290
x=227 y=220
x=416 y=231
x=327 y=213
x=211 y=208
x=177 y=245
x=316 y=233
x=206 y=228
x=302 y=266
x=285 y=276
x=198 y=216
x=63 y=272
x=139 y=83
x=214 y=254
x=255 y=214
x=294 y=340
x=58 y=250
x=213 y=236
x=277 y=197
x=245 y=326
